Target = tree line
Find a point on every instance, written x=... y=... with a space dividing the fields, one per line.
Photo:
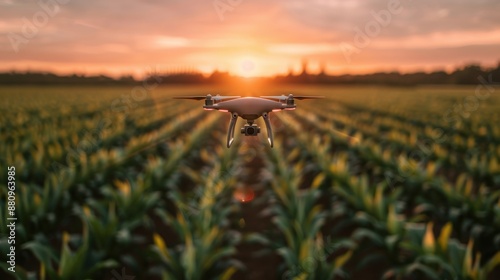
x=467 y=75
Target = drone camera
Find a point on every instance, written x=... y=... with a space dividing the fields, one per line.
x=250 y=130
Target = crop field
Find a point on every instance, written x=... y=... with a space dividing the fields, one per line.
x=369 y=183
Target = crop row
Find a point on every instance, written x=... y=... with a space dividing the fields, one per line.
x=382 y=228
x=110 y=214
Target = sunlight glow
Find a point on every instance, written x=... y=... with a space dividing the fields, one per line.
x=247 y=67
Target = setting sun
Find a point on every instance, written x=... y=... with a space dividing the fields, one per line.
x=247 y=67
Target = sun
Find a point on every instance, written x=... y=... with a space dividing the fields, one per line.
x=247 y=68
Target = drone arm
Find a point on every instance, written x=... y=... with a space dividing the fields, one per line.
x=265 y=116
x=230 y=133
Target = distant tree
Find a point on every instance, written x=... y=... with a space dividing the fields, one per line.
x=467 y=75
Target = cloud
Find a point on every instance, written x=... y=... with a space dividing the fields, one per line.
x=441 y=40
x=417 y=18
x=303 y=49
x=170 y=42
x=6 y=2
x=132 y=33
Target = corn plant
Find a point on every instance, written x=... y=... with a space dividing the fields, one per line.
x=370 y=208
x=299 y=219
x=79 y=263
x=201 y=223
x=441 y=257
x=436 y=215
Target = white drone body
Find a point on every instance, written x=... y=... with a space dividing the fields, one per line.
x=249 y=109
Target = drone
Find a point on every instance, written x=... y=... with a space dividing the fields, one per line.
x=249 y=109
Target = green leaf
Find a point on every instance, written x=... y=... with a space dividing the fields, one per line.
x=427 y=271
x=492 y=263
x=359 y=234
x=43 y=253
x=456 y=254
x=256 y=238
x=71 y=265
x=289 y=256
x=415 y=233
x=443 y=264
x=369 y=260
x=217 y=255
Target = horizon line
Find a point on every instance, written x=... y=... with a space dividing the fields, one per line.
x=207 y=74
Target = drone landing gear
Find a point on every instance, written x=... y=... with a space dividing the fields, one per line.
x=250 y=129
x=265 y=116
x=230 y=133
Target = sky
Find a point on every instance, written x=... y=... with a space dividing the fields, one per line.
x=247 y=37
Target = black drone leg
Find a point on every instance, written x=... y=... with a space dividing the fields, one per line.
x=230 y=133
x=265 y=116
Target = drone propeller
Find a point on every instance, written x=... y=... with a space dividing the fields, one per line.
x=279 y=97
x=219 y=97
x=190 y=97
x=200 y=97
x=299 y=97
